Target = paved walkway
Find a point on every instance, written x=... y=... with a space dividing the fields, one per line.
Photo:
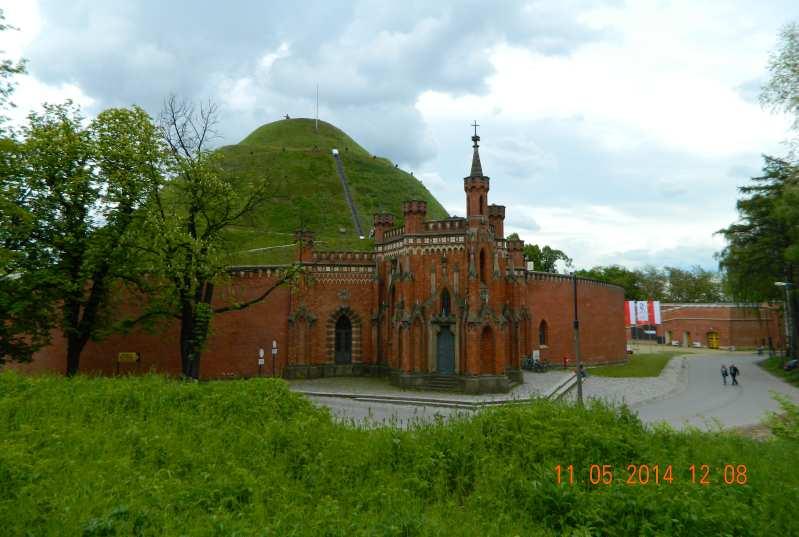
x=369 y=402
x=367 y=388
x=689 y=392
x=703 y=401
x=636 y=390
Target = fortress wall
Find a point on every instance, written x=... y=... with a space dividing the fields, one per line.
x=232 y=349
x=601 y=313
x=739 y=326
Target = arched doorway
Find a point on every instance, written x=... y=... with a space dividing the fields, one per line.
x=445 y=351
x=487 y=351
x=343 y=340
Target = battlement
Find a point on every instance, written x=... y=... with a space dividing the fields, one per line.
x=383 y=219
x=414 y=207
x=349 y=258
x=496 y=211
x=475 y=183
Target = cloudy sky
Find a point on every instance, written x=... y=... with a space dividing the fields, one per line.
x=615 y=131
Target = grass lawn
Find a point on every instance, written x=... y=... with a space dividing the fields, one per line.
x=639 y=365
x=774 y=366
x=154 y=456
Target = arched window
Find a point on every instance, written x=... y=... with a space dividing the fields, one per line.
x=543 y=333
x=446 y=307
x=480 y=206
x=483 y=266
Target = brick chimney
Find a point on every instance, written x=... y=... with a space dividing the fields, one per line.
x=382 y=222
x=415 y=212
x=304 y=239
x=496 y=218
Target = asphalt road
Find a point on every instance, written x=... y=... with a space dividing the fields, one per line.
x=703 y=401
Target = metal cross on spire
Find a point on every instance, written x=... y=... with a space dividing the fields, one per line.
x=475 y=125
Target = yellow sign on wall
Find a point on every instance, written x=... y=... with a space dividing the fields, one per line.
x=127 y=357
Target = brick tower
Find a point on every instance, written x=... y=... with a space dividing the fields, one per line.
x=476 y=187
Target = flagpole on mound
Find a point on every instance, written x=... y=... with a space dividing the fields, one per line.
x=577 y=345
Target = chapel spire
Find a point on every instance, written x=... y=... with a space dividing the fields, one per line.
x=476 y=187
x=477 y=168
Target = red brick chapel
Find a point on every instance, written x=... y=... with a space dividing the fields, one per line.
x=443 y=303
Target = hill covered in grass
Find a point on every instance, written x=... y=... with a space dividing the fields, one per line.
x=297 y=160
x=154 y=456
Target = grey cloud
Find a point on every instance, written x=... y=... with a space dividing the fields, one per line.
x=372 y=59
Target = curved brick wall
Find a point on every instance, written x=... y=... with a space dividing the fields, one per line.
x=601 y=313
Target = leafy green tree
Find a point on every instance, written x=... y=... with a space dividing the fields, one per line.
x=544 y=259
x=186 y=226
x=83 y=190
x=694 y=285
x=630 y=280
x=763 y=246
x=24 y=323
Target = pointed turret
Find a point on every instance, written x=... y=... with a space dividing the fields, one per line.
x=476 y=187
x=477 y=168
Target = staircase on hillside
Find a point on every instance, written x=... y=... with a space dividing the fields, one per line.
x=343 y=177
x=447 y=383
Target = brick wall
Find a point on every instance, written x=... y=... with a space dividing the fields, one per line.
x=601 y=314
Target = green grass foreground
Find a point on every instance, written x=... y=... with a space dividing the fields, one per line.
x=774 y=366
x=639 y=365
x=152 y=456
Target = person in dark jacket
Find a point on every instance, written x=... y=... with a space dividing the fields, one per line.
x=734 y=372
x=724 y=374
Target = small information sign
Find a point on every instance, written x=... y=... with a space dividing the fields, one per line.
x=128 y=357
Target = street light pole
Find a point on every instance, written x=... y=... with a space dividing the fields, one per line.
x=790 y=325
x=577 y=345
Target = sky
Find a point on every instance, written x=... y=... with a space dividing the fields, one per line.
x=615 y=131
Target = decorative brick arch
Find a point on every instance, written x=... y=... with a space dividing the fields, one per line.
x=355 y=320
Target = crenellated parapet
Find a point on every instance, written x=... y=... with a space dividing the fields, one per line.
x=382 y=222
x=414 y=212
x=496 y=219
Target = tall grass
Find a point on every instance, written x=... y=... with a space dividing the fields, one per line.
x=151 y=456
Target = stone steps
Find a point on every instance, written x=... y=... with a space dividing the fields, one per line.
x=443 y=383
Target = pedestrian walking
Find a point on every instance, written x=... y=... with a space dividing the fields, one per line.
x=724 y=374
x=734 y=372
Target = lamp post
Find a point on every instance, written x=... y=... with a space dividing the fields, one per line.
x=790 y=325
x=274 y=355
x=577 y=345
x=260 y=360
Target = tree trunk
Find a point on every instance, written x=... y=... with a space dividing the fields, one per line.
x=74 y=349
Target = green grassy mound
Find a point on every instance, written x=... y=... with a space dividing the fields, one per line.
x=297 y=161
x=151 y=456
